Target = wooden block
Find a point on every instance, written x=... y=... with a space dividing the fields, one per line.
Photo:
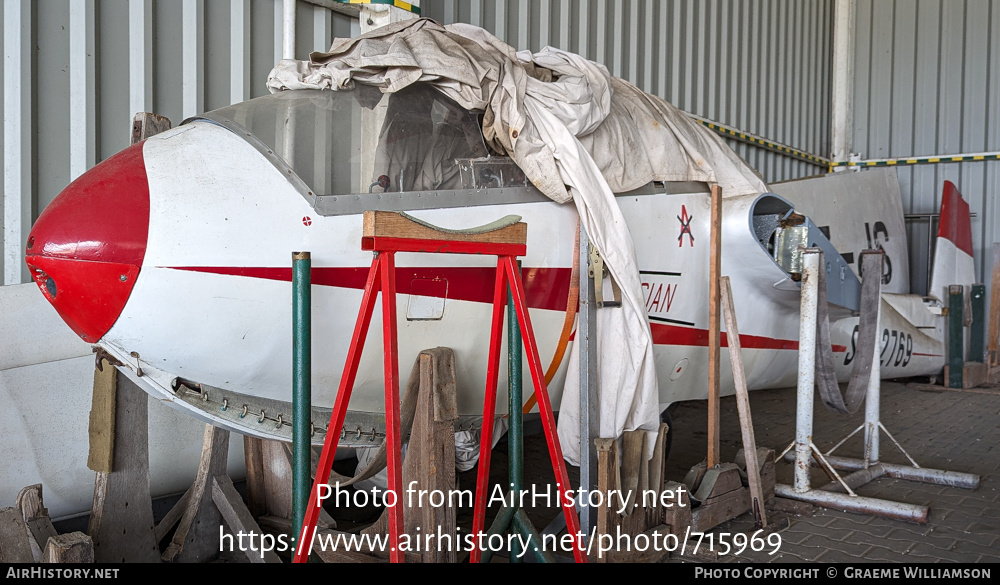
x=237 y=516
x=678 y=516
x=102 y=420
x=974 y=375
x=75 y=547
x=121 y=521
x=720 y=509
x=387 y=224
x=36 y=519
x=14 y=545
x=196 y=539
x=145 y=125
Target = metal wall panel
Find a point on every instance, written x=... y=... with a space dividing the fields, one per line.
x=188 y=67
x=762 y=66
x=928 y=83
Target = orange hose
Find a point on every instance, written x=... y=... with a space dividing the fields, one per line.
x=572 y=303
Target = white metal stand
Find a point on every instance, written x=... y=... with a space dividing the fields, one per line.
x=807 y=454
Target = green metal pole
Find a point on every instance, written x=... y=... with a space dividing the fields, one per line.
x=956 y=336
x=301 y=385
x=515 y=434
x=977 y=333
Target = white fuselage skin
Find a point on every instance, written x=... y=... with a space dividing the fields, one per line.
x=216 y=202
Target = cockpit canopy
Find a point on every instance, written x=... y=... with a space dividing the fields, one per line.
x=361 y=140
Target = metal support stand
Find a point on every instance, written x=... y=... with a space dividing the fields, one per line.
x=301 y=385
x=515 y=519
x=807 y=454
x=586 y=336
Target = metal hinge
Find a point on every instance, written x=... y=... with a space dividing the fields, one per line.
x=598 y=272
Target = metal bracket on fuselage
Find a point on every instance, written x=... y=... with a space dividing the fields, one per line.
x=797 y=233
x=598 y=271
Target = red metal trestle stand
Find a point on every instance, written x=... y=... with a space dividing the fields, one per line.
x=385 y=234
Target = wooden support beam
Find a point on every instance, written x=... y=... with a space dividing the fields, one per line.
x=14 y=545
x=196 y=539
x=121 y=521
x=100 y=457
x=743 y=405
x=430 y=453
x=714 y=328
x=237 y=516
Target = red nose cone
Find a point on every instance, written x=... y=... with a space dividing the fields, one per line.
x=87 y=247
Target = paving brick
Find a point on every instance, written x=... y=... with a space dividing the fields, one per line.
x=836 y=556
x=855 y=547
x=968 y=547
x=931 y=551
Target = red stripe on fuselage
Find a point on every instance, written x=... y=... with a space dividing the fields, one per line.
x=690 y=336
x=545 y=288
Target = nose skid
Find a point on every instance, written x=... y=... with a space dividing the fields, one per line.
x=87 y=248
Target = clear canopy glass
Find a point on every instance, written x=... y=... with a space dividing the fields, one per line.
x=361 y=140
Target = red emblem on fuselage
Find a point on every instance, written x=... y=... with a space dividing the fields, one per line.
x=685 y=220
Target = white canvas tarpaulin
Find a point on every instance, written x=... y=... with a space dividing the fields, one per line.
x=579 y=135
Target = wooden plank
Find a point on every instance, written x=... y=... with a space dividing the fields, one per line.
x=993 y=341
x=237 y=516
x=121 y=521
x=253 y=455
x=14 y=545
x=196 y=539
x=75 y=547
x=102 y=420
x=714 y=326
x=387 y=224
x=607 y=480
x=171 y=518
x=743 y=404
x=430 y=454
x=657 y=473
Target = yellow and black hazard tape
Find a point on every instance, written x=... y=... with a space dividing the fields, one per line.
x=918 y=160
x=397 y=3
x=764 y=143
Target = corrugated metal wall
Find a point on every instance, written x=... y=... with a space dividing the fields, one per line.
x=759 y=65
x=928 y=83
x=762 y=66
x=188 y=60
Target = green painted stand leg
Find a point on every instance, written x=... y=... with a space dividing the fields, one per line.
x=956 y=336
x=977 y=334
x=301 y=385
x=515 y=519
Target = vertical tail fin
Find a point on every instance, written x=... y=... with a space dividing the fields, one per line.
x=953 y=255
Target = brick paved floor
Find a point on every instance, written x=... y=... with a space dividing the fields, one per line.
x=940 y=429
